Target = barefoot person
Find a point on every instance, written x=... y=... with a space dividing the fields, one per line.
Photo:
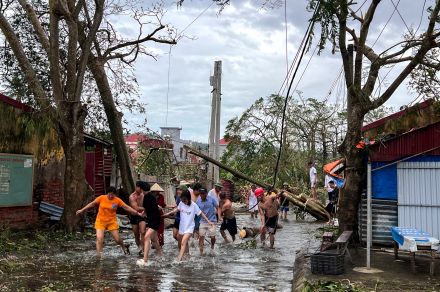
x=106 y=218
x=208 y=205
x=153 y=223
x=138 y=224
x=227 y=214
x=268 y=207
x=188 y=210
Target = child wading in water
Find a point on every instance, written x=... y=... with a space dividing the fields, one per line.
x=188 y=210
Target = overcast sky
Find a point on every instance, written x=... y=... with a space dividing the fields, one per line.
x=250 y=41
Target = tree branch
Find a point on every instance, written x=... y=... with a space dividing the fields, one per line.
x=97 y=18
x=149 y=37
x=33 y=19
x=361 y=45
x=428 y=43
x=25 y=65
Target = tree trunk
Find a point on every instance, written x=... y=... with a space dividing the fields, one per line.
x=351 y=192
x=72 y=140
x=114 y=120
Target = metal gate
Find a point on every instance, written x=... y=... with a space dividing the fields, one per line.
x=418 y=191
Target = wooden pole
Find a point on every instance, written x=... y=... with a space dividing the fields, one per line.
x=225 y=167
x=314 y=208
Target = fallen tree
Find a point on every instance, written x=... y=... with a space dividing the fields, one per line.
x=313 y=207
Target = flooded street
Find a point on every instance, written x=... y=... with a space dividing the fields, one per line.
x=231 y=268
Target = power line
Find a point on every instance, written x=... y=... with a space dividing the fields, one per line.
x=168 y=84
x=401 y=17
x=195 y=19
x=285 y=24
x=386 y=24
x=169 y=57
x=305 y=41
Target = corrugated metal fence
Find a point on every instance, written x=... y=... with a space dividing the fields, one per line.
x=419 y=196
x=384 y=216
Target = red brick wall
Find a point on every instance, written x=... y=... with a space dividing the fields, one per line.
x=18 y=217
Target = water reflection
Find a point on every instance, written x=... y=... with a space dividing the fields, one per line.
x=229 y=269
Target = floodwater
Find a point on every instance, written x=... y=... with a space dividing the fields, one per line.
x=230 y=268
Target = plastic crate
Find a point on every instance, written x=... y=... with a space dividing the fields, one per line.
x=328 y=263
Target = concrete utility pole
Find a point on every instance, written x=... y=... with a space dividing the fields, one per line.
x=214 y=132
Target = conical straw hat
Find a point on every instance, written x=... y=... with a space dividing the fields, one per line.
x=156 y=188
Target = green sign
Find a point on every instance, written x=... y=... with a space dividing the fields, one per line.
x=16 y=173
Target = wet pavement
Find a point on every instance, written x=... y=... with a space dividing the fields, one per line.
x=230 y=268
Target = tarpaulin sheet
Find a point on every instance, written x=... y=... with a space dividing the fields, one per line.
x=410 y=238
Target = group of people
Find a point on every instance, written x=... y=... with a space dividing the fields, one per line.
x=196 y=215
x=196 y=211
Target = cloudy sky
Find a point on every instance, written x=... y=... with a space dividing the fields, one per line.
x=250 y=41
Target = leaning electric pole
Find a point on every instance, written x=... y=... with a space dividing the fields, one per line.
x=214 y=132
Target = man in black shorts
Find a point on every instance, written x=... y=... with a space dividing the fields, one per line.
x=268 y=207
x=227 y=213
x=138 y=224
x=153 y=222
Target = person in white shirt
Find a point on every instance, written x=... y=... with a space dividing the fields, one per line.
x=253 y=202
x=188 y=211
x=215 y=192
x=313 y=175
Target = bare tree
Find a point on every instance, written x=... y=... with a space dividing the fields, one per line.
x=338 y=19
x=63 y=104
x=111 y=53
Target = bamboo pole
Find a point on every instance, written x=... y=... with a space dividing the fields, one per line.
x=314 y=208
x=227 y=168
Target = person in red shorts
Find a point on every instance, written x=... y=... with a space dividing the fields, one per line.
x=106 y=218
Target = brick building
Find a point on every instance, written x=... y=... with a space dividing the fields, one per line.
x=32 y=164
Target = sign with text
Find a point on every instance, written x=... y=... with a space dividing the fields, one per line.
x=16 y=180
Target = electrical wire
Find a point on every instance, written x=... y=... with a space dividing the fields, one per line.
x=168 y=84
x=303 y=50
x=285 y=24
x=169 y=57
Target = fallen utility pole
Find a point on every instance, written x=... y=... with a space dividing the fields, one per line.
x=313 y=207
x=225 y=167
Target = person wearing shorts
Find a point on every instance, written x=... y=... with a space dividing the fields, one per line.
x=106 y=219
x=284 y=203
x=188 y=211
x=228 y=215
x=153 y=223
x=268 y=206
x=208 y=205
x=137 y=222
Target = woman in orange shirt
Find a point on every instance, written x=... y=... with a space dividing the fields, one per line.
x=106 y=218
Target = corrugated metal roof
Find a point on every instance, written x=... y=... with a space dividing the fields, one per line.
x=15 y=103
x=396 y=115
x=411 y=143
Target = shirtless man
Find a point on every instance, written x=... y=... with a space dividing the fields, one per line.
x=268 y=207
x=138 y=224
x=227 y=213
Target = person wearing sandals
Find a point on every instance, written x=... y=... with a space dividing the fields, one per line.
x=107 y=220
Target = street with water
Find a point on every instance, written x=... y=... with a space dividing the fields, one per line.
x=230 y=268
